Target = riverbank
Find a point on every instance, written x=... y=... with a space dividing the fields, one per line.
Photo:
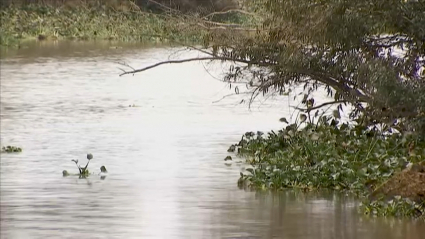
x=44 y=22
x=386 y=172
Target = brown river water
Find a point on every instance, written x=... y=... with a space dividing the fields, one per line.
x=167 y=177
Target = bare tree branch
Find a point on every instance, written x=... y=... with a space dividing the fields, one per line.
x=209 y=58
x=169 y=62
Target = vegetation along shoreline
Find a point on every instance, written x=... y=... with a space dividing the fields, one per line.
x=107 y=20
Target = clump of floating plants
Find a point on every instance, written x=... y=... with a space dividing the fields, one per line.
x=11 y=149
x=83 y=171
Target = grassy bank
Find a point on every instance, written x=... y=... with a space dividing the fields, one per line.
x=387 y=172
x=93 y=23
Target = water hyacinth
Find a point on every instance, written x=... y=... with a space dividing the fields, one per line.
x=331 y=156
x=103 y=169
x=83 y=171
x=11 y=149
x=397 y=206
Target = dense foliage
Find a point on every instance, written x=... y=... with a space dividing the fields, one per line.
x=107 y=20
x=92 y=23
x=325 y=156
x=369 y=54
x=336 y=156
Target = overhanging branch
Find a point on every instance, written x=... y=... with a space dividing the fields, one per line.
x=170 y=62
x=209 y=58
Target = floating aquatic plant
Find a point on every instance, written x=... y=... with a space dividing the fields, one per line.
x=228 y=158
x=397 y=206
x=330 y=155
x=11 y=149
x=103 y=169
x=83 y=171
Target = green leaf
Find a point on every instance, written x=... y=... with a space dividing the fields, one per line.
x=284 y=120
x=251 y=170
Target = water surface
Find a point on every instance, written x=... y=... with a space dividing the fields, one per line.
x=167 y=177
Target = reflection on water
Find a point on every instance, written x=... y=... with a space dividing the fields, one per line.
x=167 y=177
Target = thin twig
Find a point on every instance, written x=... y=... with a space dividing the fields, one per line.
x=229 y=11
x=232 y=94
x=121 y=69
x=320 y=106
x=254 y=95
x=232 y=25
x=227 y=27
x=126 y=65
x=198 y=49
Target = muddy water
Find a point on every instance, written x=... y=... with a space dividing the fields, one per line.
x=167 y=177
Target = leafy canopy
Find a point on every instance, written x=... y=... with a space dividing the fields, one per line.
x=366 y=53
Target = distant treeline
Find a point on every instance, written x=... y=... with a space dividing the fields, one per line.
x=156 y=5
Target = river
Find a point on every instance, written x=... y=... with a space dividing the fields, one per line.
x=167 y=177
